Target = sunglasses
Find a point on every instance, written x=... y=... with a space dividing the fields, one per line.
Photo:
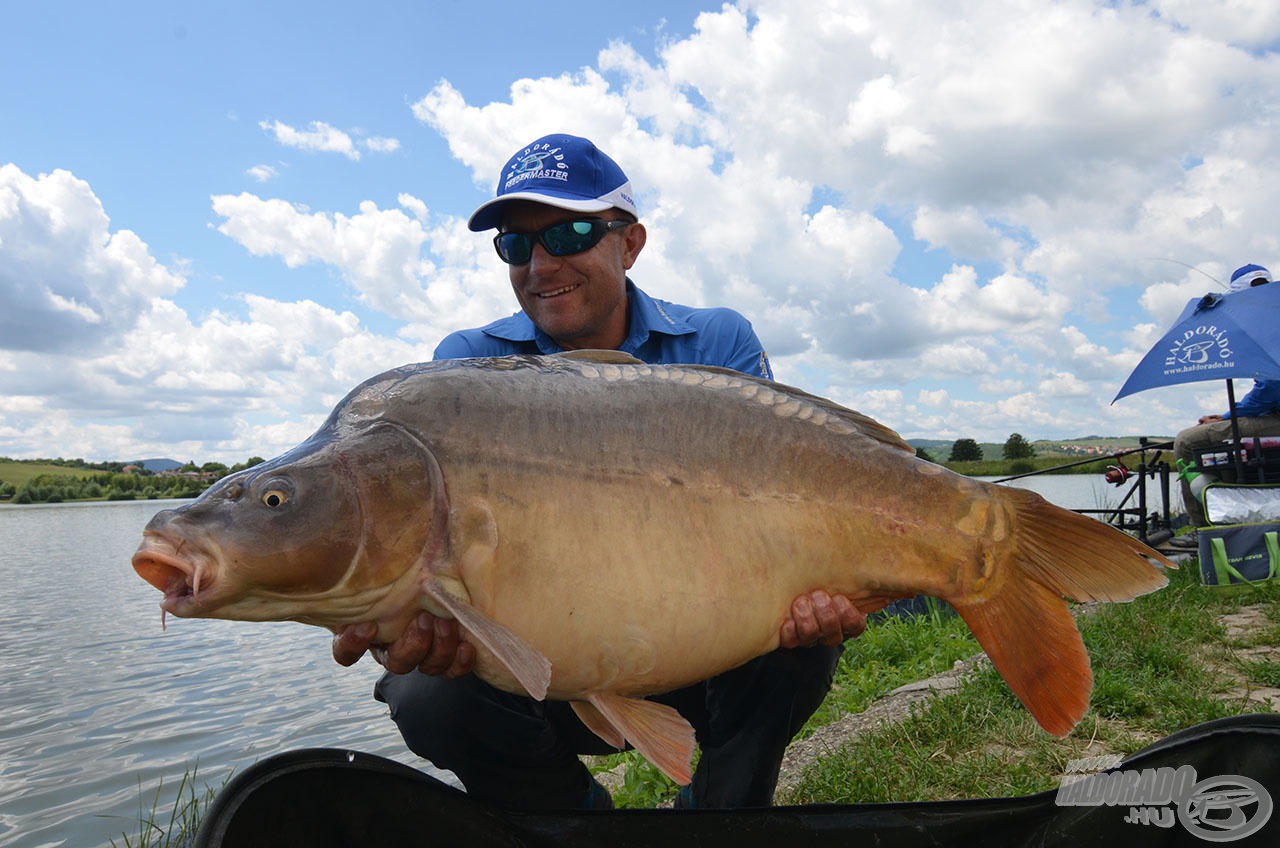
x=563 y=239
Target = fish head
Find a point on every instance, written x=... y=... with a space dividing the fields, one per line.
x=320 y=534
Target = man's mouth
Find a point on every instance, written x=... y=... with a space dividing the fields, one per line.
x=557 y=292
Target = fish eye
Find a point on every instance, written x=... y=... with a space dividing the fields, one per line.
x=275 y=498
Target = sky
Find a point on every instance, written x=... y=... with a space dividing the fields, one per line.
x=965 y=219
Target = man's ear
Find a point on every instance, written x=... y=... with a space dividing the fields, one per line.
x=633 y=239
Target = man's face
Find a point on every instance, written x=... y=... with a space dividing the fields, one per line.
x=579 y=300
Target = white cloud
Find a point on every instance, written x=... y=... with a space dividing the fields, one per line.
x=263 y=173
x=318 y=137
x=377 y=144
x=67 y=282
x=384 y=254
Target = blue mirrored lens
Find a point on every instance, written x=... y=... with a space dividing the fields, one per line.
x=570 y=237
x=514 y=248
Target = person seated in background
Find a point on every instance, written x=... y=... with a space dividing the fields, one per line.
x=1258 y=414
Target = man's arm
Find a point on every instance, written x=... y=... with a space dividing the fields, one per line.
x=1263 y=398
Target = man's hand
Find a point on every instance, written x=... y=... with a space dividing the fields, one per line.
x=819 y=618
x=429 y=644
x=1205 y=419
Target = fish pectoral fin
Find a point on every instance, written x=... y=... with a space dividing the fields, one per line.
x=525 y=662
x=655 y=730
x=598 y=724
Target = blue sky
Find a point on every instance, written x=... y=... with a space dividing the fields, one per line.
x=215 y=219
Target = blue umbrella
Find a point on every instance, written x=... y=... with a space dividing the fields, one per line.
x=1217 y=337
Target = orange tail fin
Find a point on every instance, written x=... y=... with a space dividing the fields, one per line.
x=1026 y=627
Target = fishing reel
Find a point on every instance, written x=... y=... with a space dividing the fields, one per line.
x=1117 y=474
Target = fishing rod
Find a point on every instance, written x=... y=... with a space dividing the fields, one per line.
x=1156 y=446
x=1192 y=267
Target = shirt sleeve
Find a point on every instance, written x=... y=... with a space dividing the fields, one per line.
x=734 y=344
x=453 y=346
x=1263 y=398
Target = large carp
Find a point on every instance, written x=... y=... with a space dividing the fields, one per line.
x=604 y=529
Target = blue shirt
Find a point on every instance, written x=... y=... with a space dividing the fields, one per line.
x=1263 y=398
x=659 y=333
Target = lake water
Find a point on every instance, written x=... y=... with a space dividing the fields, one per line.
x=97 y=700
x=98 y=703
x=1091 y=491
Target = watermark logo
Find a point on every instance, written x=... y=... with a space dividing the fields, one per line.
x=1217 y=809
x=1226 y=808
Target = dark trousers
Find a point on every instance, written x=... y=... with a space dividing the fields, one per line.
x=516 y=752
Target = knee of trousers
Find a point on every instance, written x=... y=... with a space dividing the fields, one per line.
x=443 y=720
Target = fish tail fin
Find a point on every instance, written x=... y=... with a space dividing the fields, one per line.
x=1025 y=625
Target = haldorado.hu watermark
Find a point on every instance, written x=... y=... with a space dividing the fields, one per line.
x=1218 y=809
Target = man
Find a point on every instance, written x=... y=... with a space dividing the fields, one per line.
x=1257 y=414
x=569 y=232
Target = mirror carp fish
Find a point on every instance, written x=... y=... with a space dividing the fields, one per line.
x=603 y=529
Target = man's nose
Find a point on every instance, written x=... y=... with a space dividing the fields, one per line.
x=541 y=261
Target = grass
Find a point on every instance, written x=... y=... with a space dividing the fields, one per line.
x=18 y=473
x=176 y=827
x=1161 y=664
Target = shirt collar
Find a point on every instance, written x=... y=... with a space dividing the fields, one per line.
x=645 y=315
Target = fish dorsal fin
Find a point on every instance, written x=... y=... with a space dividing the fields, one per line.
x=525 y=662
x=655 y=730
x=602 y=357
x=864 y=424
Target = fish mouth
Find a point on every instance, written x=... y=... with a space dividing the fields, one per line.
x=186 y=580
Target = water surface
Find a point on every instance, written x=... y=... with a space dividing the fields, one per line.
x=98 y=701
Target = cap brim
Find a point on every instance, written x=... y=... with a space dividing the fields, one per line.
x=489 y=215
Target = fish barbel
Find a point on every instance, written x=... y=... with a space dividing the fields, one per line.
x=603 y=529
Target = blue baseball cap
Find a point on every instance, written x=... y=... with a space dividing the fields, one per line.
x=558 y=170
x=1247 y=276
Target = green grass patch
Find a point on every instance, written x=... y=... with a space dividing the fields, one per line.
x=891 y=653
x=18 y=473
x=1263 y=673
x=170 y=825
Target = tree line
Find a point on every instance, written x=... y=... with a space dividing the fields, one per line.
x=187 y=482
x=968 y=450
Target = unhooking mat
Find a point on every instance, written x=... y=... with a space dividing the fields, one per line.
x=1215 y=782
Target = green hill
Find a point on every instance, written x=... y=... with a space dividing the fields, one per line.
x=18 y=473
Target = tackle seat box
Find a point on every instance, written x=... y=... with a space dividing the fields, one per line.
x=1219 y=460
